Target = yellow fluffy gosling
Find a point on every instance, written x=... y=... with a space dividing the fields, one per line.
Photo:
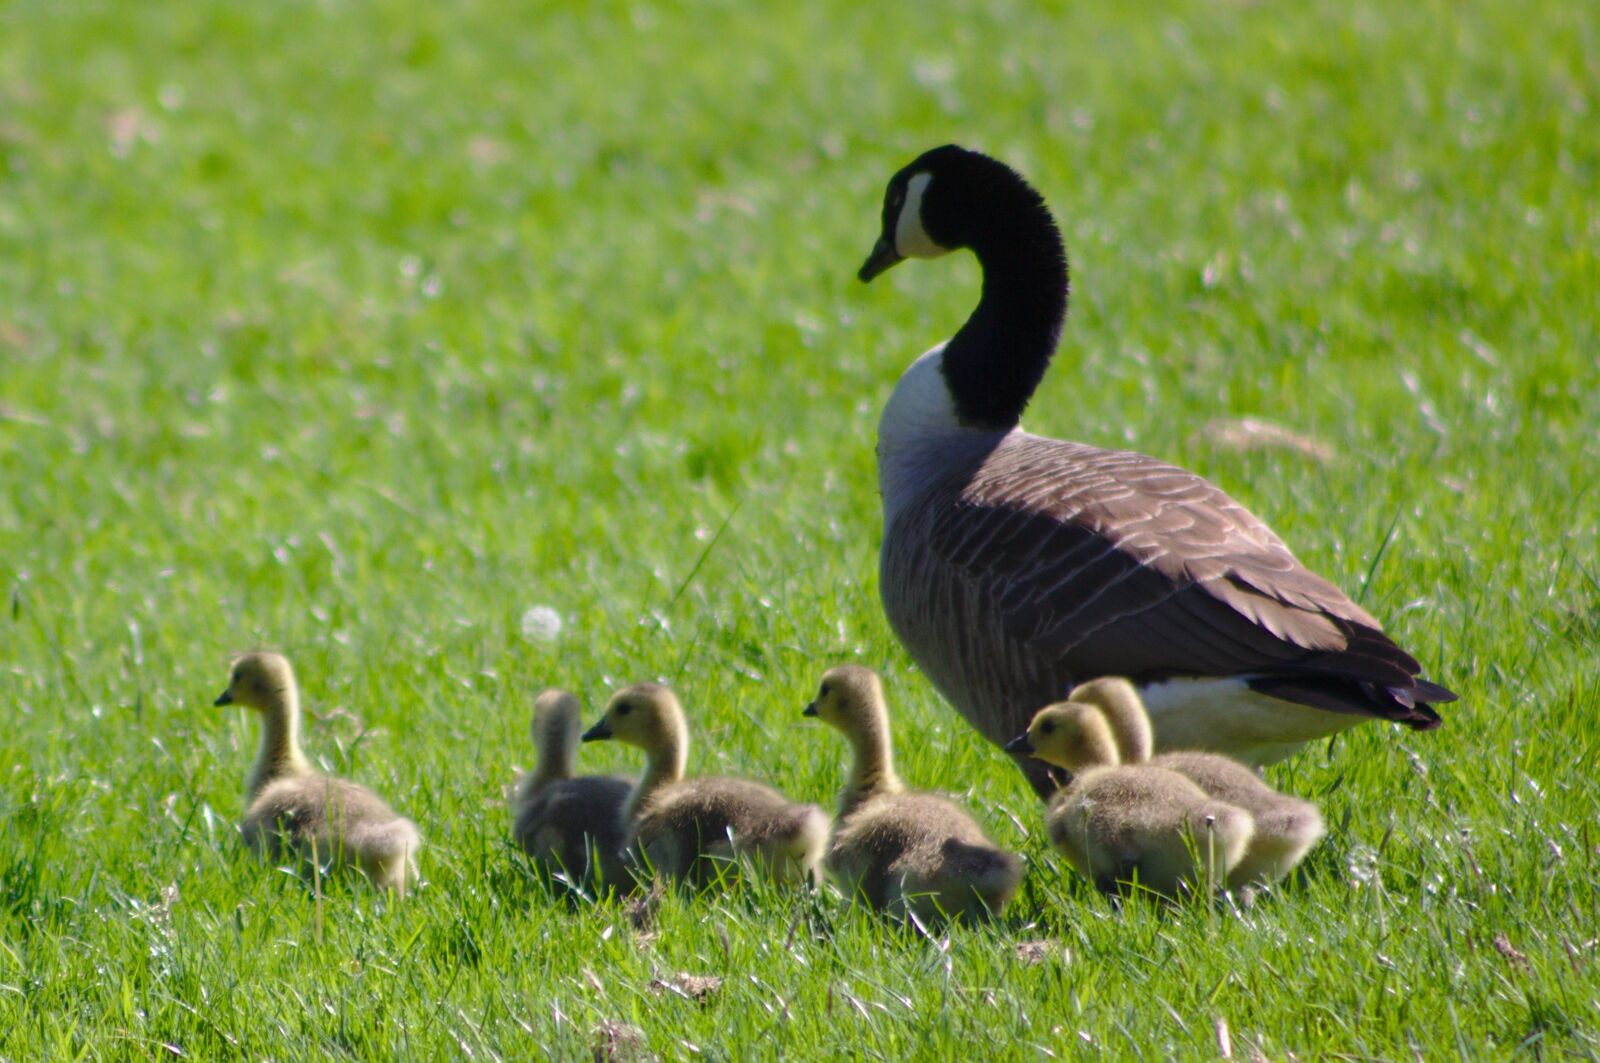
x=1286 y=827
x=1116 y=822
x=689 y=829
x=913 y=854
x=570 y=824
x=290 y=807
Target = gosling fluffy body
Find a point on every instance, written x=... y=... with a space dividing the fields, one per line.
x=293 y=809
x=690 y=830
x=1120 y=823
x=571 y=825
x=906 y=854
x=1286 y=827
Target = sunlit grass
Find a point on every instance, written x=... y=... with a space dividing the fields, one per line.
x=357 y=331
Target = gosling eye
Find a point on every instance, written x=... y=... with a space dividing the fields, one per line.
x=1047 y=728
x=238 y=674
x=825 y=691
x=624 y=709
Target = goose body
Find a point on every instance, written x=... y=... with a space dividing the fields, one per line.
x=906 y=854
x=569 y=824
x=1015 y=566
x=1286 y=827
x=1137 y=823
x=291 y=809
x=691 y=829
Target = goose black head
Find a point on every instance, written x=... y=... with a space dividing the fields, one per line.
x=947 y=198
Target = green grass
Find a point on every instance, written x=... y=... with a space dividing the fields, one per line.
x=358 y=330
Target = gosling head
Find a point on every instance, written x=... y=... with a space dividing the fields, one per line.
x=1119 y=701
x=555 y=714
x=850 y=699
x=945 y=199
x=1070 y=735
x=646 y=715
x=259 y=681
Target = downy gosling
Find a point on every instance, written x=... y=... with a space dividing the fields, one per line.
x=903 y=853
x=1120 y=823
x=571 y=825
x=691 y=830
x=292 y=808
x=1286 y=827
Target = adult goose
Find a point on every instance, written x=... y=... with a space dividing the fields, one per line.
x=1016 y=566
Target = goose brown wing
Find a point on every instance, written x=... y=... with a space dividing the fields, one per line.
x=1115 y=563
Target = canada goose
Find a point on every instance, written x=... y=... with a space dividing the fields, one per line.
x=1015 y=566
x=570 y=824
x=1118 y=823
x=1285 y=827
x=688 y=829
x=904 y=853
x=290 y=807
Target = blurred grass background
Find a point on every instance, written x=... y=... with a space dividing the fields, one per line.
x=359 y=330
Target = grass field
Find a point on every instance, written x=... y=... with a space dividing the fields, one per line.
x=360 y=330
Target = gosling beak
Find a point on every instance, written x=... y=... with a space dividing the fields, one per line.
x=809 y=710
x=883 y=256
x=598 y=731
x=224 y=698
x=1019 y=744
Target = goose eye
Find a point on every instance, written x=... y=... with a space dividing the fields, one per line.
x=623 y=709
x=1047 y=728
x=825 y=691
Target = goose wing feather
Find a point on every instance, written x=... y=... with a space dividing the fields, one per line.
x=1117 y=563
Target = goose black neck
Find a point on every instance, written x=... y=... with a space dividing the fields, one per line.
x=995 y=362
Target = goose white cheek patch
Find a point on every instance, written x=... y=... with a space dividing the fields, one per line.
x=910 y=238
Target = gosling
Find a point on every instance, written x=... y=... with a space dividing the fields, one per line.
x=1286 y=827
x=1120 y=823
x=570 y=825
x=691 y=830
x=913 y=855
x=292 y=808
